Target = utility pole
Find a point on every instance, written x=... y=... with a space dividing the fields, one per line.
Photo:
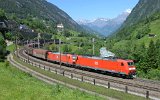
x=27 y=42
x=60 y=29
x=44 y=42
x=28 y=56
x=59 y=45
x=54 y=42
x=39 y=35
x=93 y=45
x=16 y=51
x=60 y=51
x=16 y=44
x=33 y=44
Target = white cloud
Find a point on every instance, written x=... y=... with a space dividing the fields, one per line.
x=128 y=10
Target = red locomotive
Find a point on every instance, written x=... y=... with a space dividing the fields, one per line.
x=119 y=66
x=67 y=59
x=112 y=65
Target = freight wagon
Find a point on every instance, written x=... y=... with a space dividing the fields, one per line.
x=41 y=53
x=28 y=49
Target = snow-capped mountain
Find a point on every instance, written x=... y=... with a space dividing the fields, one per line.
x=83 y=21
x=94 y=21
x=105 y=26
x=99 y=22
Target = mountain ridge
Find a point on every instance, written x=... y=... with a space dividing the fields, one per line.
x=40 y=9
x=105 y=26
x=143 y=13
x=144 y=9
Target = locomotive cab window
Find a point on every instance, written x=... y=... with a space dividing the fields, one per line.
x=131 y=63
x=122 y=64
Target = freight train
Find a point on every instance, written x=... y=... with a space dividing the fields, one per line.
x=117 y=66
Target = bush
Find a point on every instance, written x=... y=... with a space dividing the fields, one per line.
x=154 y=74
x=6 y=63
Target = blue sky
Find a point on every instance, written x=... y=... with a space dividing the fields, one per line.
x=91 y=9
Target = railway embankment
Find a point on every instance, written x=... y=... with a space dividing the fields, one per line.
x=85 y=86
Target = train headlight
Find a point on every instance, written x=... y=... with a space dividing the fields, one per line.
x=132 y=68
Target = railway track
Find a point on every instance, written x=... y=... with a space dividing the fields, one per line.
x=147 y=81
x=50 y=80
x=135 y=85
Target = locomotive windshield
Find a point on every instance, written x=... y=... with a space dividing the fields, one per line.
x=130 y=63
x=74 y=57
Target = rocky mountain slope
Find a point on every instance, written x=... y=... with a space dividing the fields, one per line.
x=144 y=9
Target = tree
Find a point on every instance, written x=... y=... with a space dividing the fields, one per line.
x=53 y=47
x=157 y=53
x=151 y=56
x=2 y=36
x=66 y=48
x=2 y=15
x=148 y=60
x=139 y=52
x=143 y=31
x=67 y=33
x=13 y=17
x=8 y=36
x=2 y=48
x=3 y=18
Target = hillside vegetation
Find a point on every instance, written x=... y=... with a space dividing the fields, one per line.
x=144 y=9
x=41 y=10
x=138 y=39
x=38 y=16
x=26 y=14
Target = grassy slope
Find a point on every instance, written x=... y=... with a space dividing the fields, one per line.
x=30 y=88
x=154 y=26
x=17 y=85
x=98 y=89
x=11 y=48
